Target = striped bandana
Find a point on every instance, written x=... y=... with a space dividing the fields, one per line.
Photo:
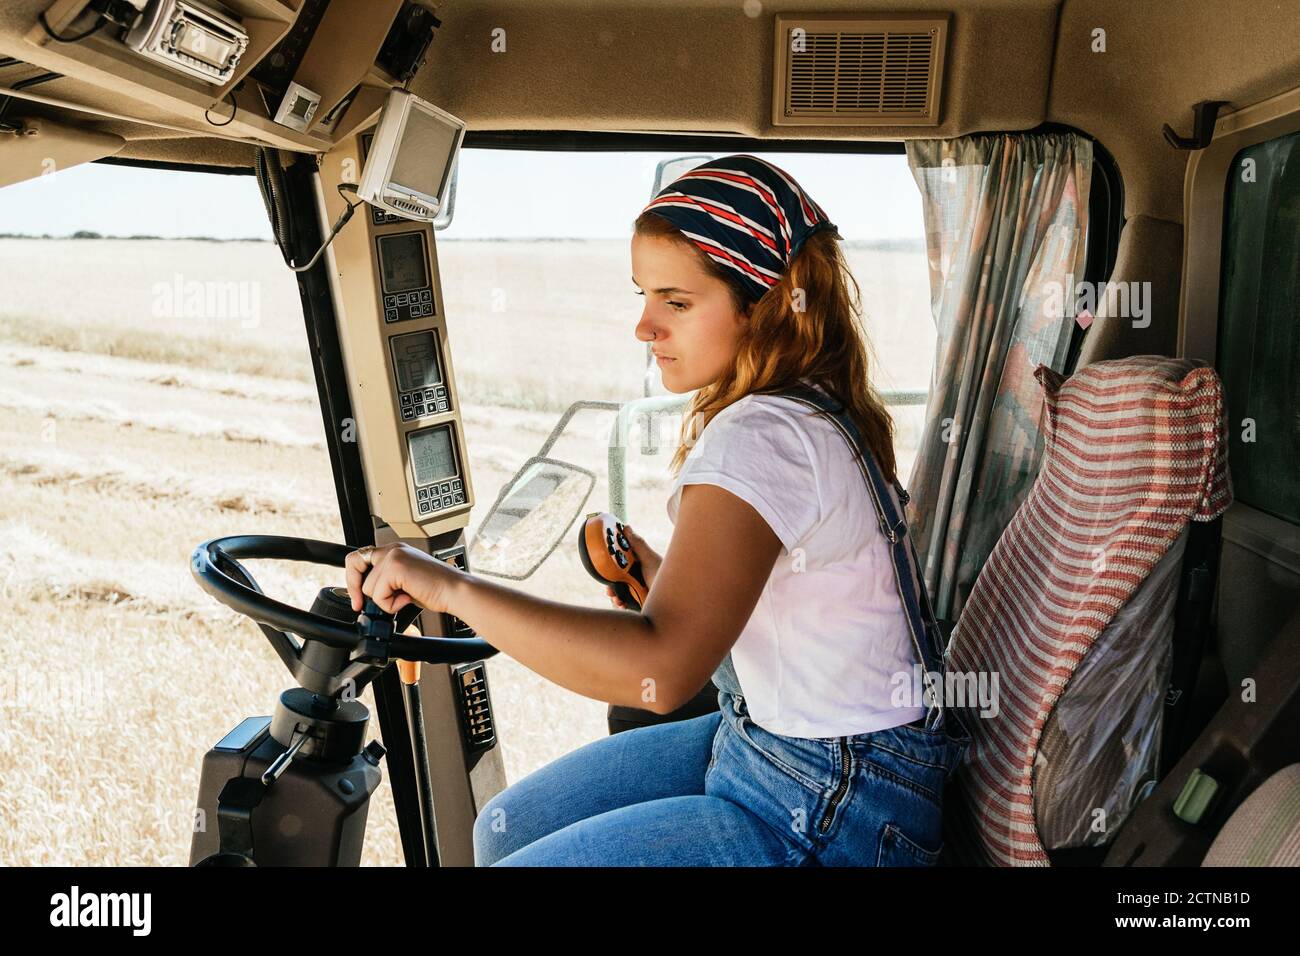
x=744 y=213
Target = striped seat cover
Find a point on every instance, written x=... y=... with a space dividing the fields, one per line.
x=1134 y=449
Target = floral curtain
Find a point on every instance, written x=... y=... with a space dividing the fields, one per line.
x=1006 y=220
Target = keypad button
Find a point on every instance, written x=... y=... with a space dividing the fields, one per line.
x=390 y=315
x=406 y=399
x=422 y=493
x=408 y=414
x=390 y=301
x=459 y=497
x=437 y=504
x=425 y=295
x=442 y=391
x=621 y=559
x=446 y=501
x=419 y=409
x=442 y=405
x=424 y=507
x=445 y=487
x=456 y=484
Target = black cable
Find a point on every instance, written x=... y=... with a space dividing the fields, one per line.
x=36 y=80
x=338 y=225
x=234 y=108
x=5 y=101
x=49 y=30
x=270 y=179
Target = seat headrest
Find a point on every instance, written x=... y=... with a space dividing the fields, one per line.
x=1178 y=440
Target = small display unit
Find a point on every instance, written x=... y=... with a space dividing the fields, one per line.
x=435 y=469
x=404 y=276
x=410 y=157
x=378 y=215
x=417 y=372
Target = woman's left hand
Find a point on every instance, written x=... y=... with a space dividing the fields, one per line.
x=396 y=575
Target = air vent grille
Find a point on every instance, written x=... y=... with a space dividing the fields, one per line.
x=858 y=72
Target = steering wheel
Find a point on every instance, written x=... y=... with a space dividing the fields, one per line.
x=335 y=651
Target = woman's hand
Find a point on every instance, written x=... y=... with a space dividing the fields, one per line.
x=396 y=575
x=650 y=560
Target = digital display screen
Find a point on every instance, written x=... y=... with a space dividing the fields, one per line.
x=433 y=457
x=415 y=360
x=403 y=262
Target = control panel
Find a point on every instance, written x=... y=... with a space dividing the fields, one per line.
x=394 y=336
x=404 y=275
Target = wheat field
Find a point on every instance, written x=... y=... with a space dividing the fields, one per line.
x=138 y=420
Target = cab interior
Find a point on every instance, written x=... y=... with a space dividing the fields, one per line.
x=1168 y=94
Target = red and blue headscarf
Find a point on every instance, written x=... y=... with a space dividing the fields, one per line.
x=745 y=214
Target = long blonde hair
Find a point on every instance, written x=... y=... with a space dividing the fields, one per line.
x=824 y=341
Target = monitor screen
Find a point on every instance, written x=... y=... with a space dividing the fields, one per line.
x=433 y=457
x=424 y=152
x=415 y=361
x=403 y=262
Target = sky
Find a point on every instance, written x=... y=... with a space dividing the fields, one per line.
x=500 y=194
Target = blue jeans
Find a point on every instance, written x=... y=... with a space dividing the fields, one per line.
x=719 y=790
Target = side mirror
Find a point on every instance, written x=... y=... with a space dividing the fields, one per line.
x=669 y=169
x=530 y=517
x=443 y=219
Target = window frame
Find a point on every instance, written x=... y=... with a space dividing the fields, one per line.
x=1204 y=199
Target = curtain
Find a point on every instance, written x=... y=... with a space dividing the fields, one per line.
x=1005 y=223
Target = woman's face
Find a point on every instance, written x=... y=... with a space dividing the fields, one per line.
x=690 y=319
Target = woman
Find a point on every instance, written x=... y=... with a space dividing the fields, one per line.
x=779 y=580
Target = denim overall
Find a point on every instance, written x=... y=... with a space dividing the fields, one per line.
x=720 y=790
x=922 y=754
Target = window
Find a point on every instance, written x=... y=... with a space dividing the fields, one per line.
x=541 y=313
x=1259 y=339
x=157 y=391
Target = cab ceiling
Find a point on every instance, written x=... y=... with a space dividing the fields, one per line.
x=706 y=66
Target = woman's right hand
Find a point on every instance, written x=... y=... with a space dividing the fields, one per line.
x=650 y=560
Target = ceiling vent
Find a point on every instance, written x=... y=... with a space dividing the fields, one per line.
x=863 y=71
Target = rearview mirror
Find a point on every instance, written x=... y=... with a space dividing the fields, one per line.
x=530 y=517
x=669 y=169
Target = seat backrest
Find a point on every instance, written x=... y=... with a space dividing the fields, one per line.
x=1135 y=448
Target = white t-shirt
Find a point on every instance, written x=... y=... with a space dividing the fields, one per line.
x=819 y=655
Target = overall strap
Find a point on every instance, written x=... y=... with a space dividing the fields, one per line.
x=921 y=622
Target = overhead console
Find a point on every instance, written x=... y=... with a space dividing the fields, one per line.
x=295 y=74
